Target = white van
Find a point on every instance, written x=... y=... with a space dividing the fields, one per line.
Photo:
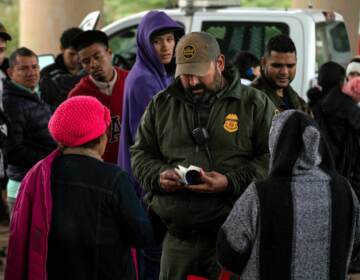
x=319 y=36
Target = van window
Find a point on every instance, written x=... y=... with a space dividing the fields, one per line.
x=246 y=36
x=332 y=43
x=123 y=46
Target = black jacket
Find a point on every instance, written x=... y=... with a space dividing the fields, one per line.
x=56 y=68
x=292 y=100
x=29 y=139
x=339 y=120
x=56 y=82
x=96 y=217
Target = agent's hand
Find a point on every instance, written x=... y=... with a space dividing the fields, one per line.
x=170 y=181
x=213 y=182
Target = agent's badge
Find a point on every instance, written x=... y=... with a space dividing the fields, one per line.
x=231 y=123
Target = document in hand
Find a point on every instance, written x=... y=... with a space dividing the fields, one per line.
x=189 y=175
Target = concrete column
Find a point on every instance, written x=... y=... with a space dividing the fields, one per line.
x=43 y=21
x=350 y=10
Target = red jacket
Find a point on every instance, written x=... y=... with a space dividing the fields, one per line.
x=30 y=224
x=114 y=103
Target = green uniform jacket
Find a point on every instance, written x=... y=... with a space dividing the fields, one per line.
x=238 y=126
x=298 y=103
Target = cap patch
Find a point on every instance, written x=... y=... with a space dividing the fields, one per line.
x=189 y=52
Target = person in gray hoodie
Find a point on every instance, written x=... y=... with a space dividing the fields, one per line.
x=302 y=222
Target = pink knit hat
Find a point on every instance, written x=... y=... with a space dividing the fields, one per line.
x=352 y=88
x=79 y=120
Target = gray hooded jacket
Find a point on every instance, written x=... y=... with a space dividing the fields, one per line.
x=302 y=222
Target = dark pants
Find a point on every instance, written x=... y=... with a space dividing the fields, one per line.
x=195 y=255
x=149 y=263
x=149 y=259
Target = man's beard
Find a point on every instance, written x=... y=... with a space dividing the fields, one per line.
x=199 y=98
x=214 y=88
x=218 y=82
x=208 y=96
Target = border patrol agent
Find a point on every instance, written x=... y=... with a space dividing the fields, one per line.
x=208 y=119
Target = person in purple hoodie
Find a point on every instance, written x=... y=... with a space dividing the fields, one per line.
x=152 y=72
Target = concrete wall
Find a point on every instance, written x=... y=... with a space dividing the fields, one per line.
x=348 y=8
x=43 y=21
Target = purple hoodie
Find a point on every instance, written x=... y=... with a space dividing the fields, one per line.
x=147 y=77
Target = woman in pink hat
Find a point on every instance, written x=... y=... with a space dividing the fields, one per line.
x=76 y=216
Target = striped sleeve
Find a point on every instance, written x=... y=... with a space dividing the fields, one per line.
x=236 y=237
